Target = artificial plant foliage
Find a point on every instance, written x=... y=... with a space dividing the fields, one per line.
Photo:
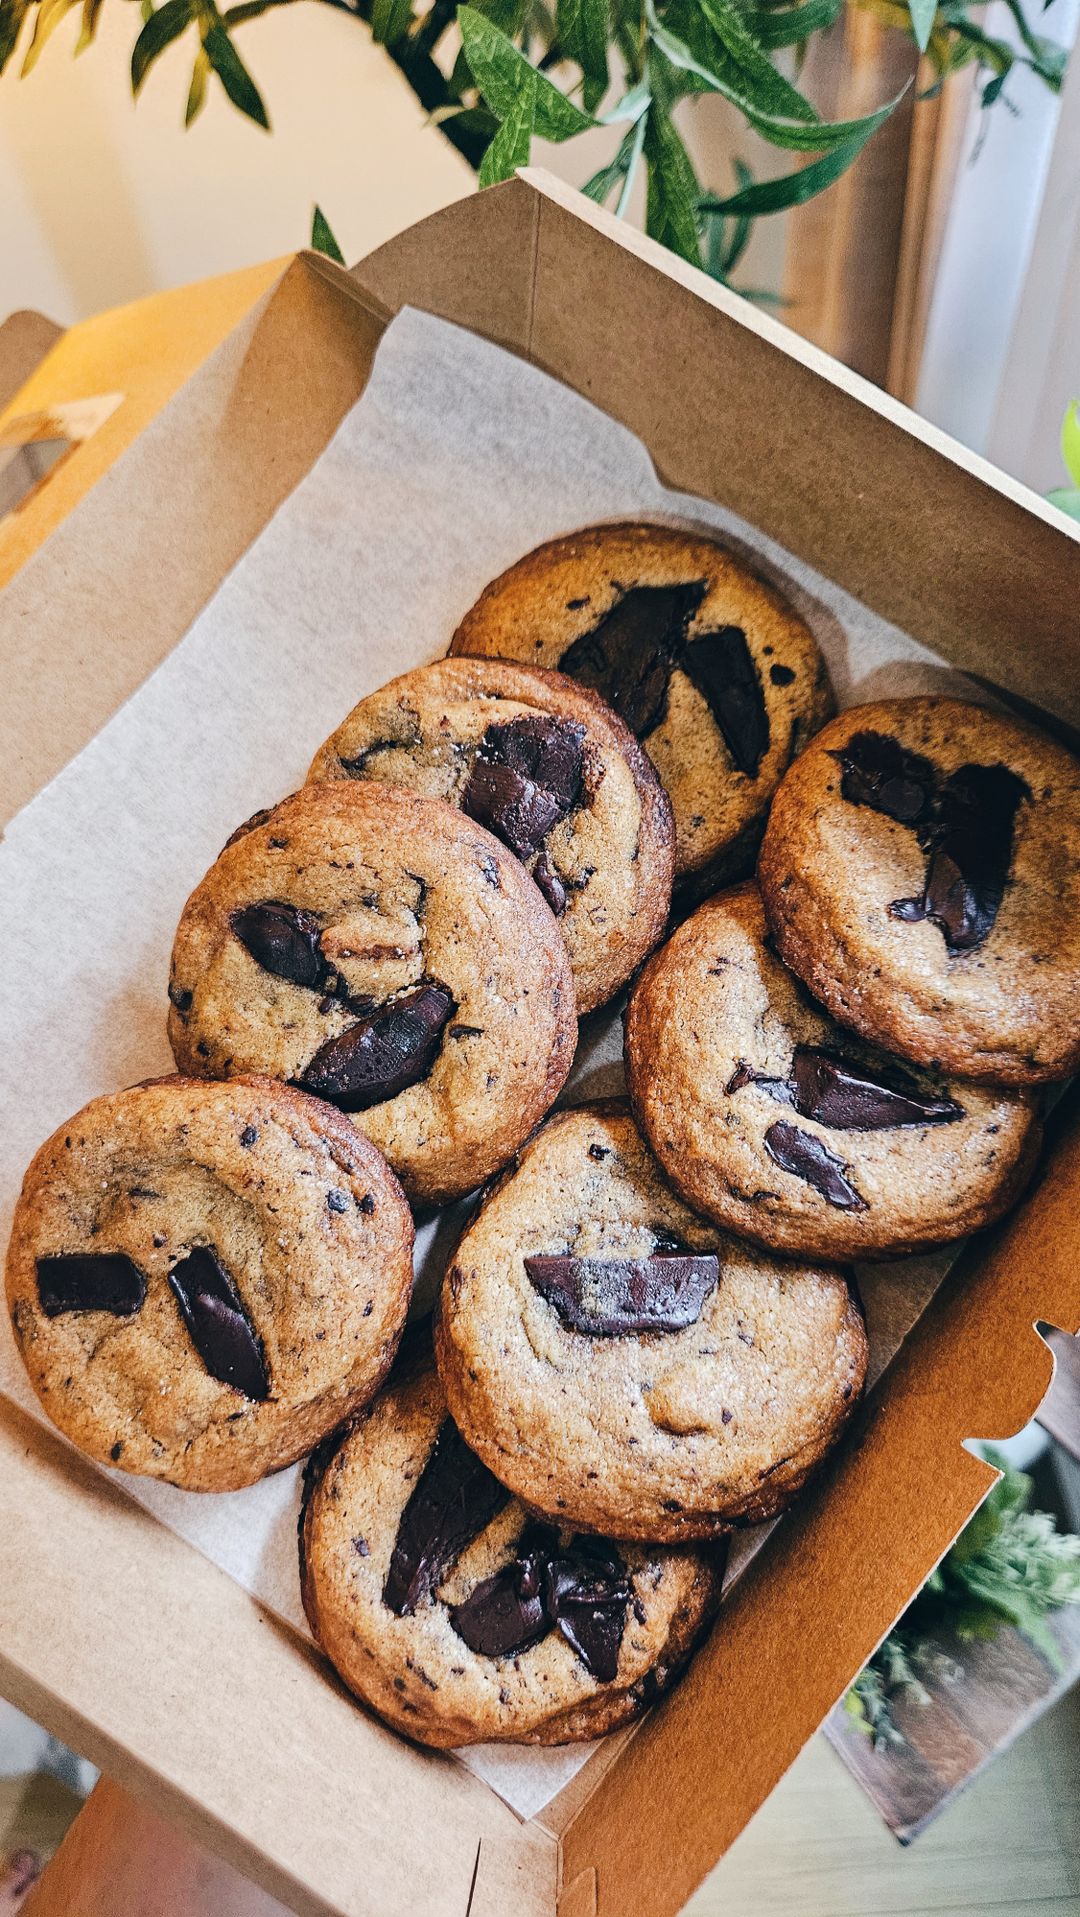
x=1010 y=1565
x=495 y=75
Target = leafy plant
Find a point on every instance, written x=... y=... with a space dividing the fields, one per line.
x=1068 y=497
x=495 y=74
x=1010 y=1565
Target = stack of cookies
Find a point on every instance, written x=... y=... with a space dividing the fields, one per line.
x=514 y=1521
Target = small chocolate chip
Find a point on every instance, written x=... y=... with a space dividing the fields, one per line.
x=361 y=1547
x=781 y=675
x=338 y=1200
x=367 y=1204
x=249 y=1136
x=116 y=1453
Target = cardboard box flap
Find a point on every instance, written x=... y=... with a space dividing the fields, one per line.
x=840 y=1569
x=930 y=535
x=156 y=530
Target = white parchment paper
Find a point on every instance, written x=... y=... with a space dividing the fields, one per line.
x=457 y=459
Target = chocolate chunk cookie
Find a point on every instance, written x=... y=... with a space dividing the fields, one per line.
x=718 y=678
x=459 y=1618
x=384 y=952
x=921 y=874
x=627 y=1368
x=775 y=1121
x=204 y=1279
x=547 y=767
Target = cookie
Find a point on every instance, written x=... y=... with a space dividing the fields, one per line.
x=204 y=1279
x=713 y=672
x=386 y=953
x=921 y=875
x=457 y=1617
x=627 y=1368
x=545 y=765
x=784 y=1127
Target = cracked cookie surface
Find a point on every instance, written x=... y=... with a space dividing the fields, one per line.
x=550 y=769
x=717 y=1416
x=716 y=675
x=772 y=1119
x=509 y=1630
x=385 y=952
x=921 y=874
x=205 y=1278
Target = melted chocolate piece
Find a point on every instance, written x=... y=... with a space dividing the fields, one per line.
x=391 y=1048
x=504 y=1614
x=218 y=1325
x=964 y=824
x=452 y=1501
x=804 y=1156
x=282 y=939
x=970 y=855
x=840 y=1095
x=610 y=1297
x=588 y=1592
x=90 y=1281
x=526 y=777
x=629 y=656
x=550 y=884
x=881 y=773
x=581 y=1591
x=720 y=665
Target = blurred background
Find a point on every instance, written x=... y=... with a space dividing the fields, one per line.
x=944 y=264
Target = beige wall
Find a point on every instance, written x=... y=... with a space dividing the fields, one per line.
x=103 y=199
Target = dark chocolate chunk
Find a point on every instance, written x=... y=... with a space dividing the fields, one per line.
x=452 y=1501
x=218 y=1325
x=881 y=773
x=720 y=665
x=181 y=998
x=582 y=1591
x=611 y=1297
x=90 y=1281
x=629 y=656
x=504 y=1614
x=970 y=855
x=282 y=939
x=804 y=1156
x=964 y=823
x=781 y=675
x=391 y=1048
x=526 y=777
x=550 y=884
x=841 y=1095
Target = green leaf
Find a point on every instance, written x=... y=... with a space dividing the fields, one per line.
x=90 y=16
x=609 y=177
x=1070 y=442
x=389 y=20
x=232 y=73
x=502 y=74
x=793 y=189
x=46 y=20
x=196 y=100
x=796 y=135
x=164 y=26
x=923 y=14
x=12 y=15
x=768 y=88
x=671 y=201
x=250 y=10
x=1066 y=499
x=581 y=31
x=322 y=237
x=630 y=107
x=786 y=27
x=510 y=147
